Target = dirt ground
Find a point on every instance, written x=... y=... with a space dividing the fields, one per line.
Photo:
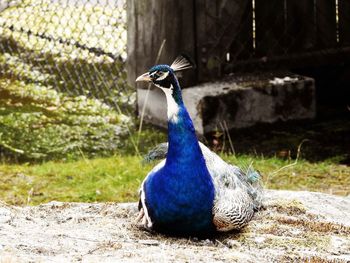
x=293 y=227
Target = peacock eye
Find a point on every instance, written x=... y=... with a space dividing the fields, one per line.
x=162 y=75
x=155 y=75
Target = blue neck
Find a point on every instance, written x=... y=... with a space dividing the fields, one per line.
x=183 y=142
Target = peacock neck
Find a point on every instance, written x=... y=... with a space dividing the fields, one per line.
x=183 y=142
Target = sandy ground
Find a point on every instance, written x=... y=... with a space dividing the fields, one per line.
x=293 y=227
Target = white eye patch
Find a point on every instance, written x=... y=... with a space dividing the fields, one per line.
x=163 y=75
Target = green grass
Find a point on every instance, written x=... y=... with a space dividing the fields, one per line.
x=326 y=176
x=117 y=178
x=105 y=179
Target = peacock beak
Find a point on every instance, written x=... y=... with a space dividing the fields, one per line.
x=144 y=77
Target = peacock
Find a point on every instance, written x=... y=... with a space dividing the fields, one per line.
x=192 y=191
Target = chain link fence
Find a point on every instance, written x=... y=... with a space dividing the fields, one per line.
x=74 y=46
x=63 y=84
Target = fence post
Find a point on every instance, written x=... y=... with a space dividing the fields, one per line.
x=223 y=27
x=270 y=28
x=344 y=22
x=300 y=26
x=149 y=23
x=326 y=24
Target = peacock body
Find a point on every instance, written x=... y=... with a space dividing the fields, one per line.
x=192 y=191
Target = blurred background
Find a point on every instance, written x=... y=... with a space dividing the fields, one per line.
x=74 y=126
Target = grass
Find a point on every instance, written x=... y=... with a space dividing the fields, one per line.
x=117 y=178
x=104 y=179
x=326 y=176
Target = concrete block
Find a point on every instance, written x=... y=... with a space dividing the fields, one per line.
x=240 y=102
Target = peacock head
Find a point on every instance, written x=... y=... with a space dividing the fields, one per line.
x=163 y=76
x=160 y=75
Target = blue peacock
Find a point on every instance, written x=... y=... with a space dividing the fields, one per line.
x=192 y=191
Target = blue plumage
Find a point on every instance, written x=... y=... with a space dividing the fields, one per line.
x=181 y=195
